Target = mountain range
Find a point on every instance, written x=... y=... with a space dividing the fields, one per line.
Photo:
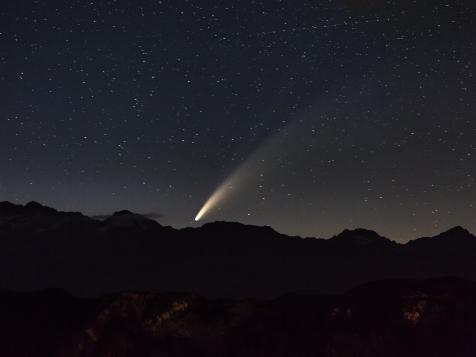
x=41 y=247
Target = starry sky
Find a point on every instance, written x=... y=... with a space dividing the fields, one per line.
x=328 y=114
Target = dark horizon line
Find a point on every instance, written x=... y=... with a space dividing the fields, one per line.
x=155 y=217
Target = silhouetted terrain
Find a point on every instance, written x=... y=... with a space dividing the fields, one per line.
x=391 y=318
x=43 y=248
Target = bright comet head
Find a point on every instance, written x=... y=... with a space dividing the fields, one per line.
x=217 y=196
x=200 y=214
x=229 y=186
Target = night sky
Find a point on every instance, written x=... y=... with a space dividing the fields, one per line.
x=317 y=115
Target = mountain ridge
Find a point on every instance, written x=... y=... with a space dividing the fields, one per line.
x=362 y=235
x=41 y=247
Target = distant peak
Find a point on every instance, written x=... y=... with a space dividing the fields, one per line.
x=360 y=231
x=8 y=208
x=34 y=205
x=223 y=224
x=457 y=229
x=122 y=213
x=6 y=204
x=128 y=220
x=360 y=236
x=37 y=207
x=239 y=230
x=455 y=232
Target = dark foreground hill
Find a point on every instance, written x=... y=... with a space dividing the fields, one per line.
x=43 y=248
x=391 y=318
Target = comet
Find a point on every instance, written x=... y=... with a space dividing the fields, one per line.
x=216 y=197
x=241 y=177
x=223 y=191
x=267 y=157
x=263 y=159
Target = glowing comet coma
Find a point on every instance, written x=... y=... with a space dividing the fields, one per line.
x=249 y=171
x=223 y=191
x=245 y=173
x=227 y=188
x=212 y=201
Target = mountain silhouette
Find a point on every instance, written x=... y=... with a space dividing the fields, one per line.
x=41 y=247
